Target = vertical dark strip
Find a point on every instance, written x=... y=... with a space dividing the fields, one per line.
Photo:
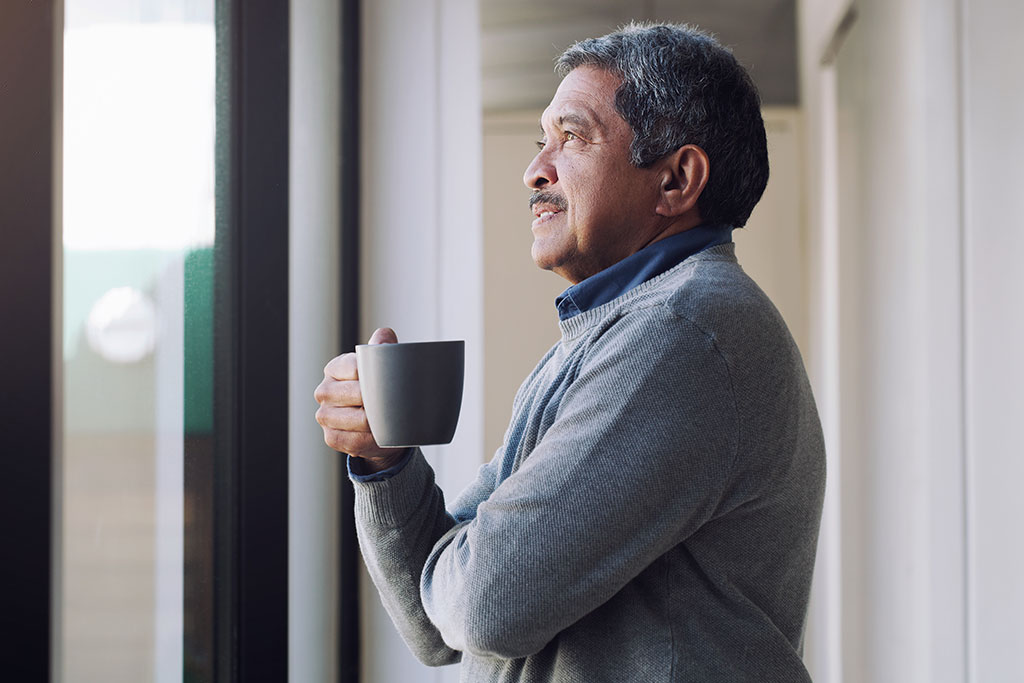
x=30 y=75
x=251 y=341
x=223 y=657
x=261 y=233
x=224 y=505
x=349 y=197
x=199 y=545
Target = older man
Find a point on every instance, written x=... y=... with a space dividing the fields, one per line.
x=653 y=512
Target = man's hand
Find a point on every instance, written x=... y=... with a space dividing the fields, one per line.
x=341 y=412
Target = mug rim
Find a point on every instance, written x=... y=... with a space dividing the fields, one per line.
x=413 y=343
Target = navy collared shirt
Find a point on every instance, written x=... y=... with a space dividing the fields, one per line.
x=652 y=260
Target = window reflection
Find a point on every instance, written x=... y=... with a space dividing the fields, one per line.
x=138 y=236
x=121 y=326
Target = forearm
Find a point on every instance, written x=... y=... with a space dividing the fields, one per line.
x=398 y=522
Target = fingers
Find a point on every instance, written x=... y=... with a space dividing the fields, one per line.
x=341 y=413
x=345 y=418
x=359 y=444
x=346 y=429
x=342 y=367
x=384 y=335
x=332 y=392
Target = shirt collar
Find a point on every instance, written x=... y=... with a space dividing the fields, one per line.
x=652 y=260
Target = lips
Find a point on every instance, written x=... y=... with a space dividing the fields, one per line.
x=543 y=216
x=545 y=205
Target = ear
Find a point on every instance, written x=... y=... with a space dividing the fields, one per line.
x=683 y=175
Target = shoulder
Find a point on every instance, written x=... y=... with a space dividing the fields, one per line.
x=706 y=305
x=712 y=292
x=702 y=291
x=647 y=334
x=705 y=311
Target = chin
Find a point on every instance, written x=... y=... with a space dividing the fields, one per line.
x=542 y=258
x=548 y=254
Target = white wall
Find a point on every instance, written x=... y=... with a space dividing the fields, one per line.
x=313 y=468
x=422 y=271
x=888 y=219
x=919 y=574
x=520 y=321
x=993 y=251
x=818 y=21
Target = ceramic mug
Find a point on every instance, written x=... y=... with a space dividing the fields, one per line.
x=412 y=391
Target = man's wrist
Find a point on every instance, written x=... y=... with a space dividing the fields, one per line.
x=363 y=466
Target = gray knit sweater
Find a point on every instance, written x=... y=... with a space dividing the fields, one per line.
x=656 y=519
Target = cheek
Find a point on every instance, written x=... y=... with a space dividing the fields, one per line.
x=595 y=188
x=593 y=200
x=582 y=190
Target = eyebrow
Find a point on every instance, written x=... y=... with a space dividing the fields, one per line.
x=578 y=120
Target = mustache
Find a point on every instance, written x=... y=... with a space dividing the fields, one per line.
x=553 y=198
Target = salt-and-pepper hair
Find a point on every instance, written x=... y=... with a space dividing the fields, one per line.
x=681 y=87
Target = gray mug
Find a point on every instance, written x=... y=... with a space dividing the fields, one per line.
x=412 y=391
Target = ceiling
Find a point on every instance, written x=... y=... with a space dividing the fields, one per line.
x=522 y=38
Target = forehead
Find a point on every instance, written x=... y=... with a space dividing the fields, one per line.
x=586 y=93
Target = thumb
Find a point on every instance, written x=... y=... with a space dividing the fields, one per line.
x=384 y=335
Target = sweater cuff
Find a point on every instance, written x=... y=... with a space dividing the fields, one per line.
x=391 y=502
x=383 y=474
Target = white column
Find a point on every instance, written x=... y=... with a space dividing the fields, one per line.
x=993 y=98
x=937 y=115
x=169 y=484
x=818 y=23
x=313 y=339
x=422 y=231
x=886 y=338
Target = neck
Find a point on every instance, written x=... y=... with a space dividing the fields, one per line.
x=687 y=221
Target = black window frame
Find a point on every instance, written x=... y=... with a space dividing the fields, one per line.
x=31 y=49
x=349 y=196
x=250 y=468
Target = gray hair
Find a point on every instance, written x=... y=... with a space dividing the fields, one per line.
x=681 y=87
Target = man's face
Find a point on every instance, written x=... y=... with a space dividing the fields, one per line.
x=593 y=208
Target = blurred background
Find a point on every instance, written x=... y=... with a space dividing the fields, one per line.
x=888 y=237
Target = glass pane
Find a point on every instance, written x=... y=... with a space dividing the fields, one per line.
x=138 y=234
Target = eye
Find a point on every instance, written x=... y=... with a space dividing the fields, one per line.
x=569 y=135
x=540 y=144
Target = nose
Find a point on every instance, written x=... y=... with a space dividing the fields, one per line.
x=540 y=172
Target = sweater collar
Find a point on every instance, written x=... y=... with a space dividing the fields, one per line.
x=652 y=260
x=574 y=326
